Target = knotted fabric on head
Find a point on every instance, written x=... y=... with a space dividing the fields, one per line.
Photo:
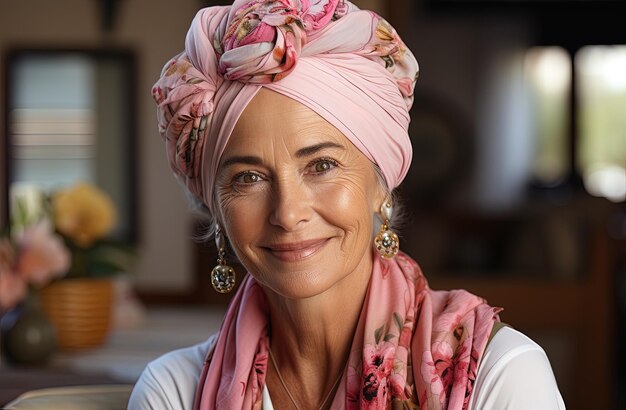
x=348 y=65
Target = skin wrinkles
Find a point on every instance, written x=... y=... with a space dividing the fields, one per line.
x=291 y=201
x=291 y=194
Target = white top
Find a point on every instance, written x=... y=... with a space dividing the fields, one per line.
x=514 y=374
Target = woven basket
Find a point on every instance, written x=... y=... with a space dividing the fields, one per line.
x=80 y=309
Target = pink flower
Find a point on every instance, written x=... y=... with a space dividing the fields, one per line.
x=377 y=366
x=442 y=360
x=42 y=256
x=429 y=375
x=12 y=289
x=12 y=286
x=157 y=94
x=450 y=366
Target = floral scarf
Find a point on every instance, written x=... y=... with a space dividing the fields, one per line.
x=413 y=347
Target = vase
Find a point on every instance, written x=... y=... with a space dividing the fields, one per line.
x=80 y=309
x=27 y=336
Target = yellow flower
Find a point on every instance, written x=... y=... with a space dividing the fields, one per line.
x=83 y=213
x=384 y=31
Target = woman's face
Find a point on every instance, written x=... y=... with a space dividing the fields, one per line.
x=296 y=198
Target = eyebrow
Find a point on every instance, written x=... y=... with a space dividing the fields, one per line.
x=248 y=159
x=307 y=151
x=302 y=152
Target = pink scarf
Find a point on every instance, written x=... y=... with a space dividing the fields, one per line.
x=412 y=344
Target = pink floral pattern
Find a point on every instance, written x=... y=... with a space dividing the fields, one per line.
x=37 y=257
x=12 y=285
x=185 y=98
x=411 y=349
x=377 y=366
x=42 y=256
x=260 y=42
x=263 y=22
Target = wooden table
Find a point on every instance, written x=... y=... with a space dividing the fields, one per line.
x=122 y=358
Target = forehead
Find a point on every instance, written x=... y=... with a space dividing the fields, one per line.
x=272 y=117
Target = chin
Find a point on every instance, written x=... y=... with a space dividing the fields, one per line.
x=297 y=284
x=302 y=282
x=307 y=277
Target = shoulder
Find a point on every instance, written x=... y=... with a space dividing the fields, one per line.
x=515 y=373
x=170 y=381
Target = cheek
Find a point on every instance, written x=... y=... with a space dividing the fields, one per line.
x=347 y=204
x=240 y=219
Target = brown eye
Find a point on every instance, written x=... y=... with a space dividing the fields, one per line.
x=323 y=165
x=248 y=178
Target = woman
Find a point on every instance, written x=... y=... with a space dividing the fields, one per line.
x=288 y=120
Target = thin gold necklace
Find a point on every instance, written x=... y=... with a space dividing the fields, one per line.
x=282 y=381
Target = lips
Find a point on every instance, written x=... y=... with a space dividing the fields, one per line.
x=296 y=251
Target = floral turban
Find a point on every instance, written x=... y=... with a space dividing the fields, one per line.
x=348 y=65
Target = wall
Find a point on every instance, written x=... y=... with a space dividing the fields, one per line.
x=469 y=63
x=155 y=30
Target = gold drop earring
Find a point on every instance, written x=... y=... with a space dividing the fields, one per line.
x=386 y=241
x=222 y=275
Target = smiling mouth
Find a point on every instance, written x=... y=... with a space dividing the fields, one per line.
x=294 y=252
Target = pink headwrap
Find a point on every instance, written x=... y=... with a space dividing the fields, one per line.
x=348 y=65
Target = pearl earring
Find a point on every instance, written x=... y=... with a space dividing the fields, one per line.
x=386 y=241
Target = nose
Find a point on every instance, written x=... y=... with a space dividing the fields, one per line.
x=291 y=205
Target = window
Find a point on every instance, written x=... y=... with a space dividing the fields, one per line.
x=601 y=84
x=599 y=73
x=548 y=75
x=70 y=117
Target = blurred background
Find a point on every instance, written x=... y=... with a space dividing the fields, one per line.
x=517 y=190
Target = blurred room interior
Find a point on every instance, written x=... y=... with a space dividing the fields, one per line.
x=517 y=190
